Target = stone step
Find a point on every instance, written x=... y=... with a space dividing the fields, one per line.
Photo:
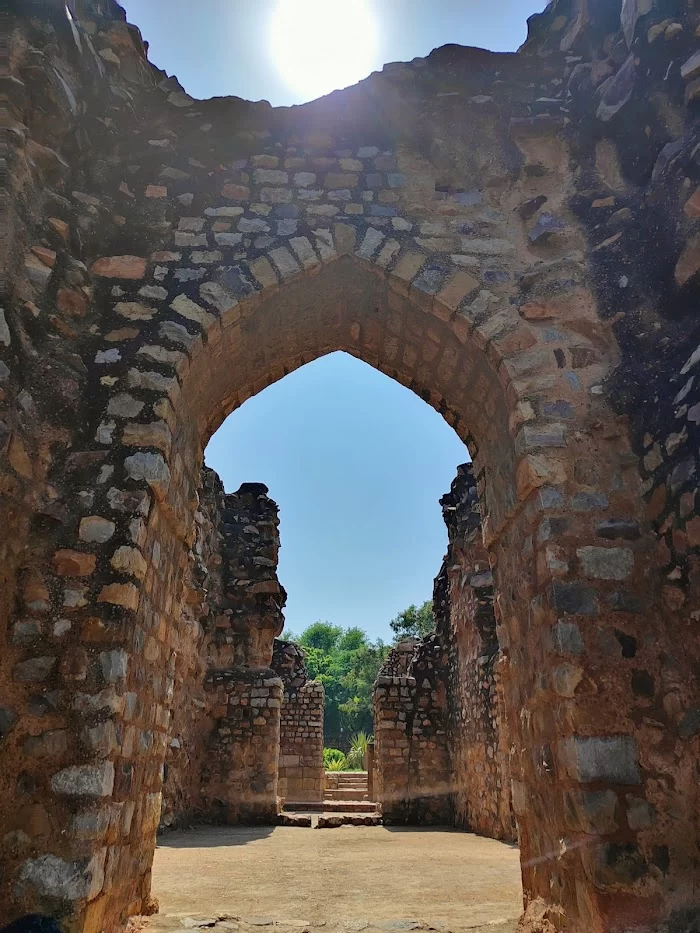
x=345 y=795
x=332 y=821
x=331 y=806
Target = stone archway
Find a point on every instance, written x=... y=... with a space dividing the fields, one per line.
x=225 y=260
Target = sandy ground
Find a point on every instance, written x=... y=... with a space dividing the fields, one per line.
x=347 y=880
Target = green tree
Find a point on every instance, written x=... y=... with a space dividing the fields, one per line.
x=414 y=622
x=346 y=662
x=321 y=635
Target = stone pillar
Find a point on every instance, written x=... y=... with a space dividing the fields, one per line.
x=412 y=755
x=301 y=774
x=249 y=612
x=370 y=765
x=393 y=703
x=239 y=777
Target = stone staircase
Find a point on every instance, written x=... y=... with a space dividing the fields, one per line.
x=349 y=786
x=346 y=792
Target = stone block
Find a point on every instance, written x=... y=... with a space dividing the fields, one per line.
x=34 y=670
x=150 y=468
x=120 y=594
x=602 y=758
x=53 y=877
x=85 y=780
x=94 y=529
x=119 y=267
x=606 y=563
x=68 y=563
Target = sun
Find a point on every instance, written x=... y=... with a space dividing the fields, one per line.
x=319 y=46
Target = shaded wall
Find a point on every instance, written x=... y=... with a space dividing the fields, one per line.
x=223 y=744
x=239 y=773
x=464 y=610
x=441 y=754
x=412 y=772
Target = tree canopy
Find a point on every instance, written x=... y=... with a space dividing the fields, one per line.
x=346 y=662
x=416 y=622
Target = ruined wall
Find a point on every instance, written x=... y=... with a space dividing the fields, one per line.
x=239 y=775
x=412 y=773
x=441 y=746
x=464 y=612
x=249 y=613
x=301 y=774
x=514 y=237
x=191 y=721
x=234 y=605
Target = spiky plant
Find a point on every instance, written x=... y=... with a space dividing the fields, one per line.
x=337 y=764
x=356 y=757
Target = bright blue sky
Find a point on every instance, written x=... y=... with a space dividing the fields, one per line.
x=356 y=462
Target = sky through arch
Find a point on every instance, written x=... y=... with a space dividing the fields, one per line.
x=357 y=464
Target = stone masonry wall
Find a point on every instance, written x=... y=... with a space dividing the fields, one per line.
x=248 y=615
x=301 y=774
x=235 y=605
x=191 y=722
x=239 y=775
x=512 y=236
x=441 y=749
x=412 y=765
x=463 y=604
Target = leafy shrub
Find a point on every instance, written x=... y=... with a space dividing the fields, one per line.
x=334 y=759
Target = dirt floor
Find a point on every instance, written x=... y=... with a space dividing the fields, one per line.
x=348 y=880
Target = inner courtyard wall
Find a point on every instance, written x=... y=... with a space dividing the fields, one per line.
x=412 y=771
x=441 y=749
x=515 y=238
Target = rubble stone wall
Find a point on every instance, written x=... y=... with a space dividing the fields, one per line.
x=190 y=721
x=412 y=762
x=234 y=606
x=512 y=236
x=441 y=752
x=239 y=775
x=464 y=610
x=301 y=773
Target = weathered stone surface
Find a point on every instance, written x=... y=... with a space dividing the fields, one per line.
x=149 y=467
x=120 y=594
x=119 y=267
x=602 y=758
x=96 y=530
x=52 y=876
x=69 y=563
x=85 y=780
x=606 y=563
x=35 y=670
x=114 y=665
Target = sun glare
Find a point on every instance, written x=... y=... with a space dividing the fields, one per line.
x=322 y=45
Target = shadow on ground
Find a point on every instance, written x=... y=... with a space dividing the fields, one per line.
x=211 y=836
